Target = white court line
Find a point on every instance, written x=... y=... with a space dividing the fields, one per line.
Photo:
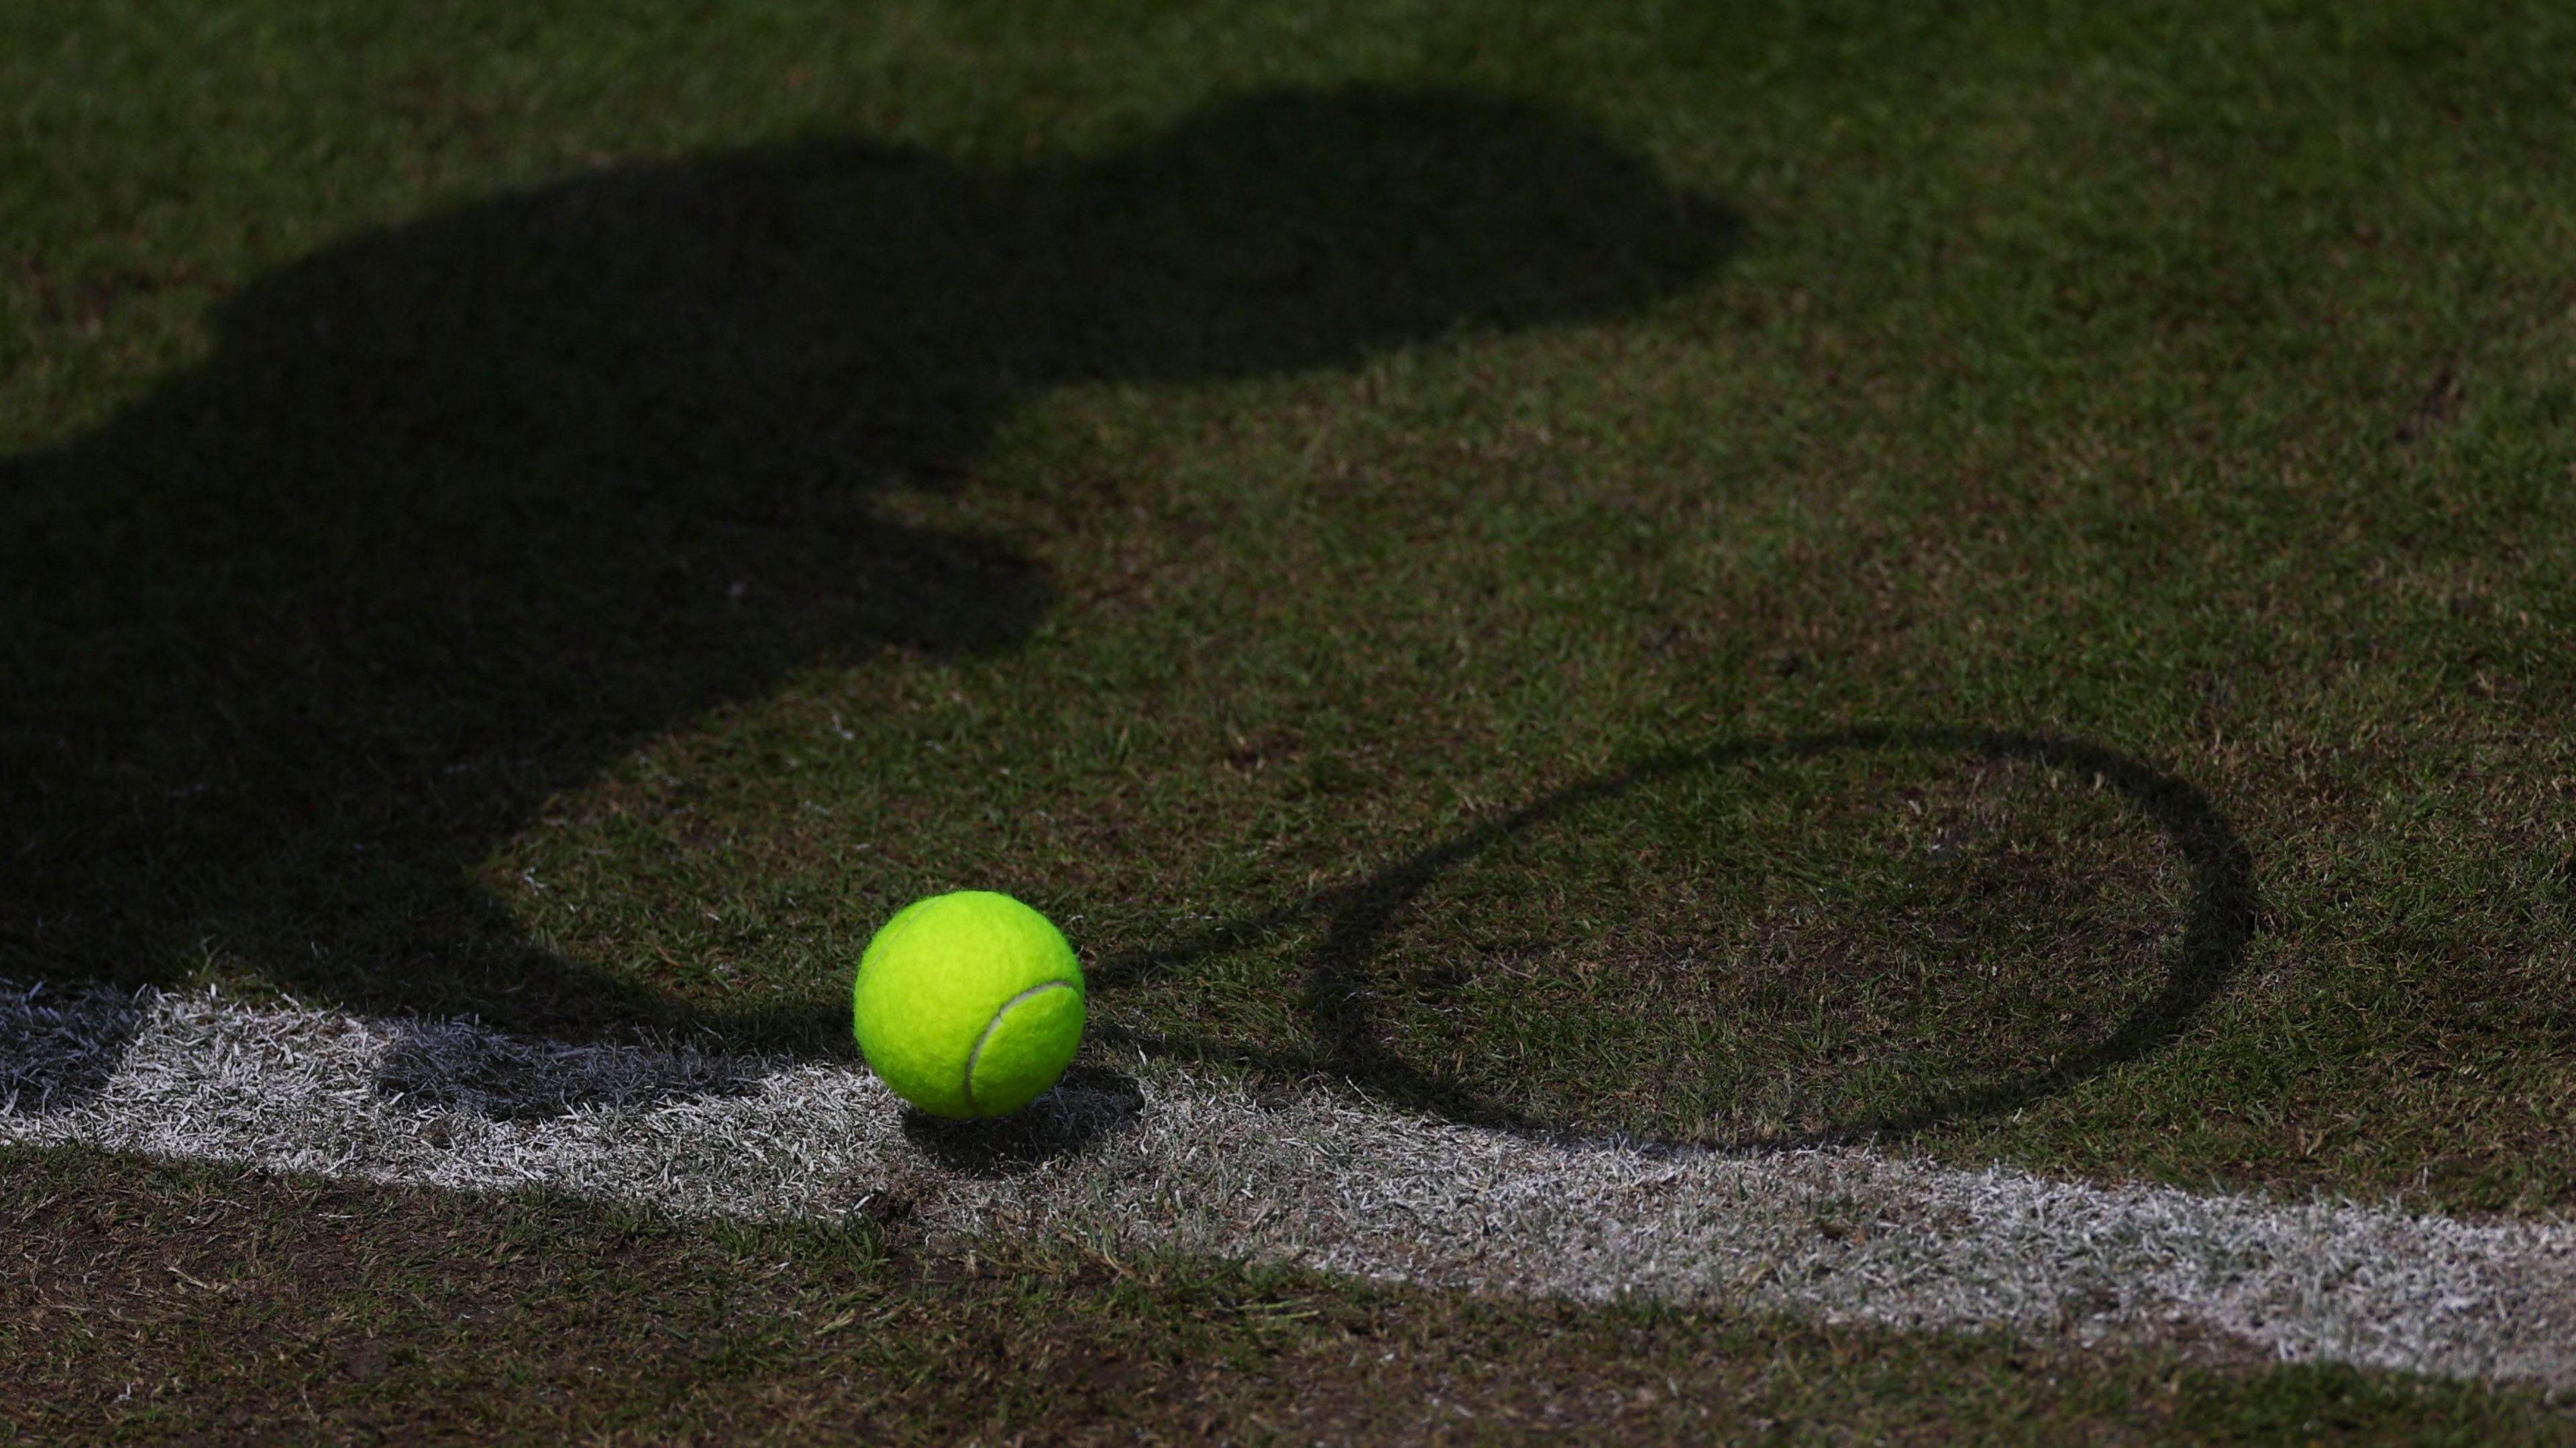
x=1316 y=1179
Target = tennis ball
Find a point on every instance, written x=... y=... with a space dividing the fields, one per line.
x=968 y=1004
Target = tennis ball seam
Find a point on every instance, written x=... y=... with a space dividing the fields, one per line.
x=968 y=1084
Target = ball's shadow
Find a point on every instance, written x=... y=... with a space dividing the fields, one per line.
x=1088 y=1104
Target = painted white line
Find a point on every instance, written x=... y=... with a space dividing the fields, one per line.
x=1203 y=1166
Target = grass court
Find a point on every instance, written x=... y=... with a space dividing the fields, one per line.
x=1951 y=591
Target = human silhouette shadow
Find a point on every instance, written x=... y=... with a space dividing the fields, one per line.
x=455 y=513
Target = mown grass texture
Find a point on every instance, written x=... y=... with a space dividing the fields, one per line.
x=576 y=518
x=161 y=1302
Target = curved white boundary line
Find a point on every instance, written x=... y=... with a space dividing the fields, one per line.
x=1315 y=1179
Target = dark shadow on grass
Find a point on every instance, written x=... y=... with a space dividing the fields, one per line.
x=455 y=515
x=2218 y=926
x=458 y=1065
x=58 y=1047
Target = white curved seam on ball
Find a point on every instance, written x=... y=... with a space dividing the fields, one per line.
x=995 y=1024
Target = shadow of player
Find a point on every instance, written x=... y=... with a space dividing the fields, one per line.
x=456 y=513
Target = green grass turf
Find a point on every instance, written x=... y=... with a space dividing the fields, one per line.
x=575 y=513
x=164 y=1302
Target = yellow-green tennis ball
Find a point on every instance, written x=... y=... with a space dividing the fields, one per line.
x=968 y=1004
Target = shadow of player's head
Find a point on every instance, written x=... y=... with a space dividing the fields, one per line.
x=835 y=311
